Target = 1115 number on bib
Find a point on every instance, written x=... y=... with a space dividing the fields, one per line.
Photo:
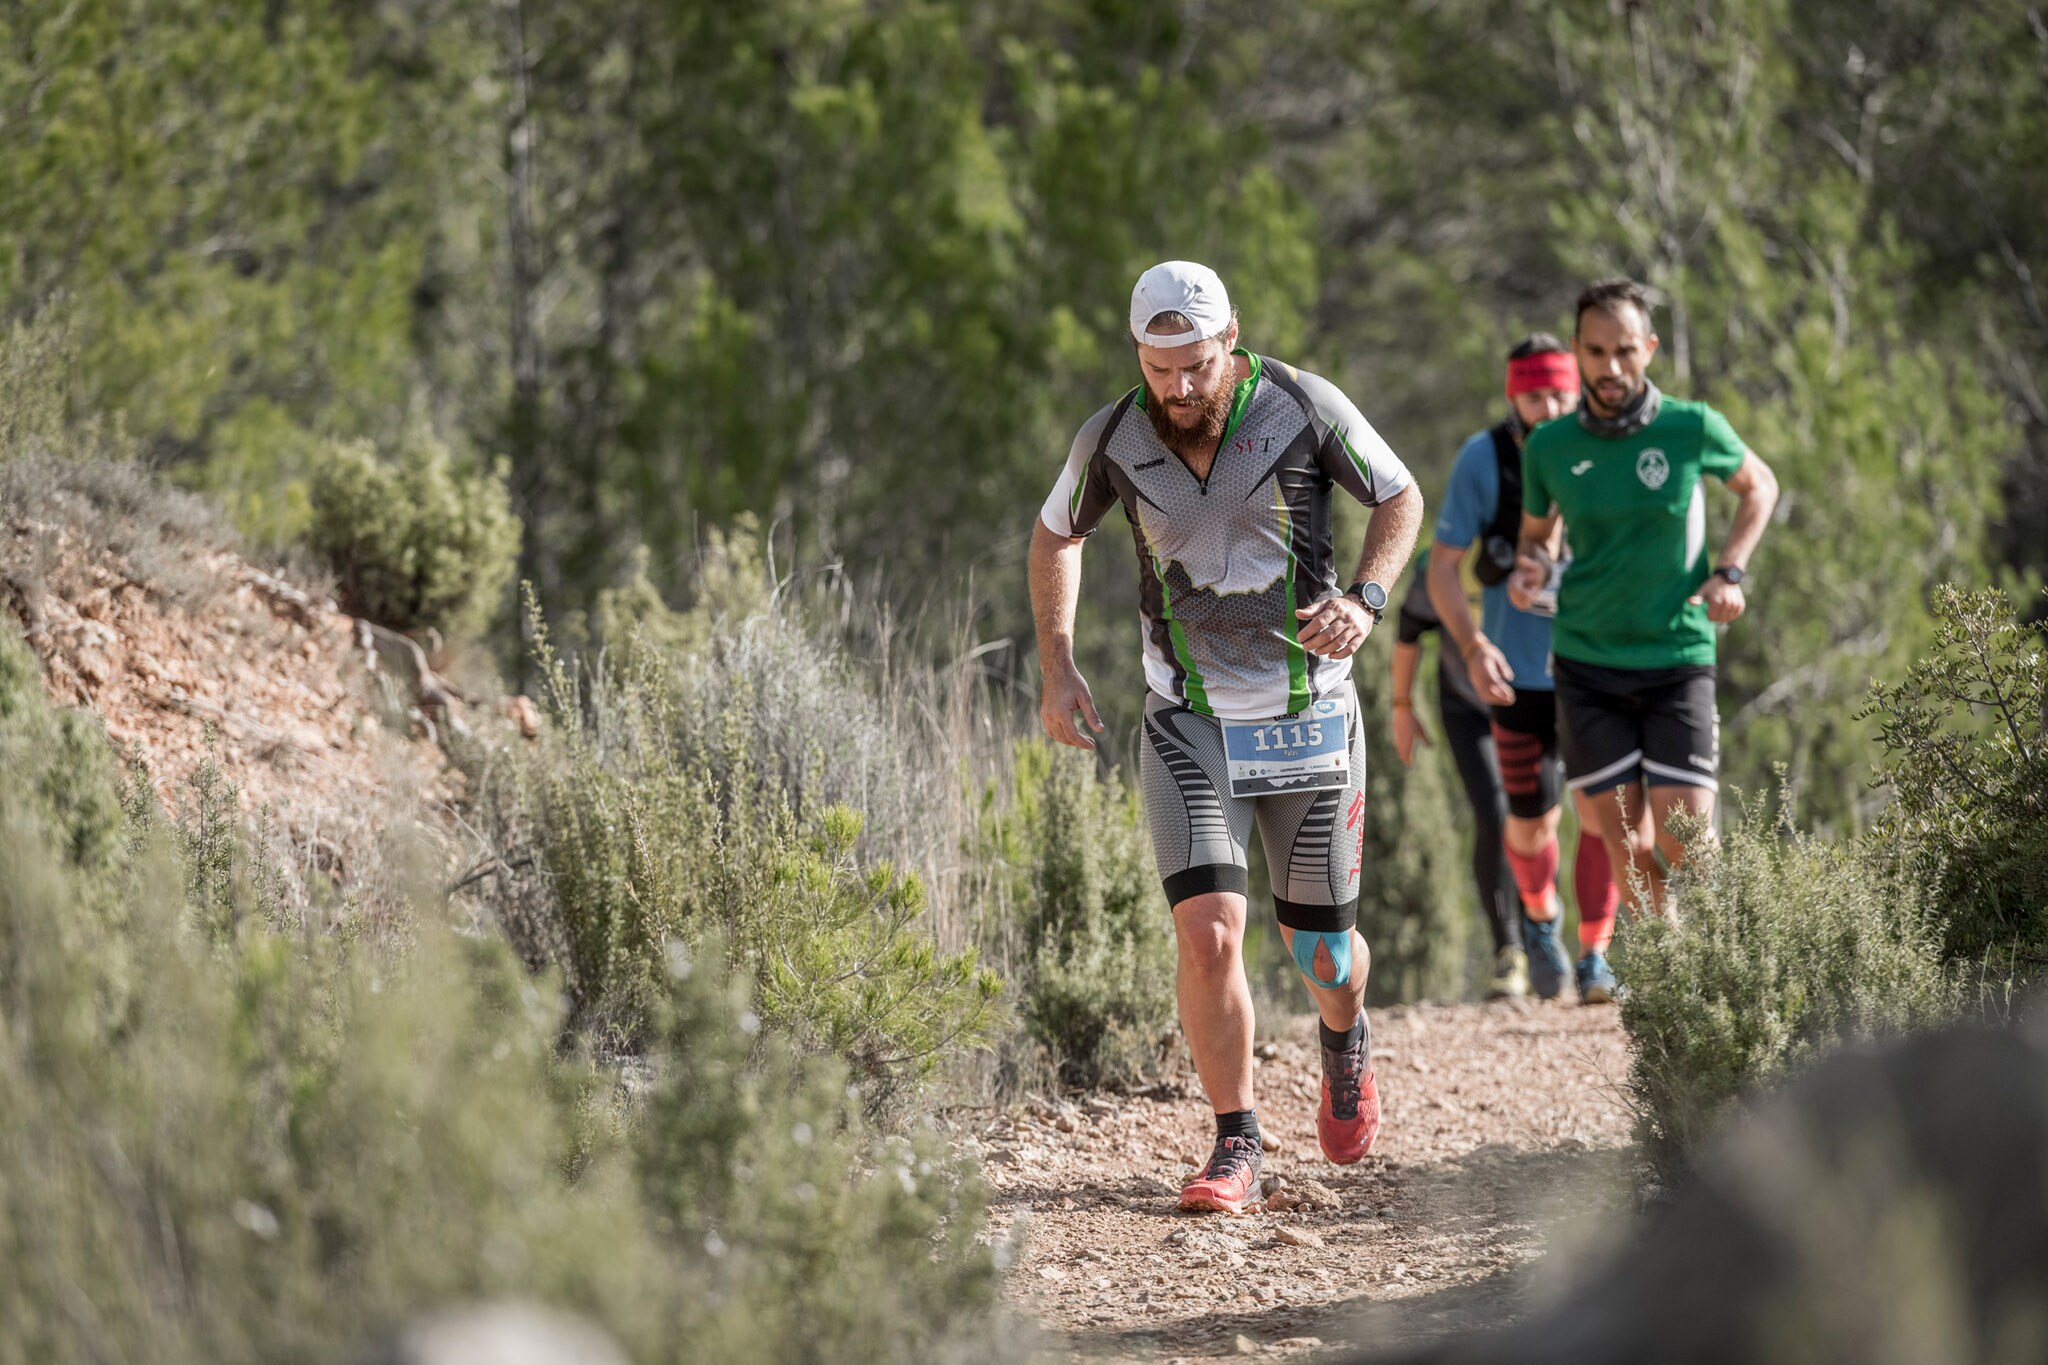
x=1305 y=752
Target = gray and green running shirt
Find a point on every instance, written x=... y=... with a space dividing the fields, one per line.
x=1637 y=516
x=1224 y=563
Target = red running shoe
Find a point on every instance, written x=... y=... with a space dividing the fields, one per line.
x=1230 y=1182
x=1348 y=1119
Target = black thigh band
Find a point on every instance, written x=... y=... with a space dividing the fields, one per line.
x=1322 y=919
x=1200 y=881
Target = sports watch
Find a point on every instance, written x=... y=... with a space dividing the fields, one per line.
x=1729 y=572
x=1373 y=595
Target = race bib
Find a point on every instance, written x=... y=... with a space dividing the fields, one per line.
x=1305 y=752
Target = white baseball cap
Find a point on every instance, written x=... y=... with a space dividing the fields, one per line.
x=1183 y=287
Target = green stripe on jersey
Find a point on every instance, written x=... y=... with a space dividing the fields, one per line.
x=1191 y=686
x=1356 y=463
x=1241 y=398
x=1297 y=657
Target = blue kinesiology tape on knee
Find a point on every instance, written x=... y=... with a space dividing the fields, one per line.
x=1305 y=943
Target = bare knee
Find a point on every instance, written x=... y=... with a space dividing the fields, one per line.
x=1210 y=936
x=1209 y=952
x=1532 y=834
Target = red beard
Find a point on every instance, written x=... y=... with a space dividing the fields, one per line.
x=1200 y=436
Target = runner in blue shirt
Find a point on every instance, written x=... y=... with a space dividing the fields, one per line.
x=1508 y=658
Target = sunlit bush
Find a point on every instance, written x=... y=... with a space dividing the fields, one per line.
x=415 y=541
x=1095 y=947
x=1966 y=760
x=657 y=815
x=1783 y=947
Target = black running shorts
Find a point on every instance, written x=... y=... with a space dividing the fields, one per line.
x=1525 y=745
x=1313 y=840
x=1653 y=725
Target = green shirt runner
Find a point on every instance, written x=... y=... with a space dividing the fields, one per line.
x=1636 y=513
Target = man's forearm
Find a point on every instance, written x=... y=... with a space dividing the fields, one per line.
x=1406 y=659
x=1752 y=514
x=1055 y=577
x=1390 y=538
x=1448 y=597
x=1538 y=536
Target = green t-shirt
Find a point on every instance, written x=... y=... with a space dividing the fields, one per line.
x=1636 y=515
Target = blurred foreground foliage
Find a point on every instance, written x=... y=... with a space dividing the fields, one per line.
x=230 y=1143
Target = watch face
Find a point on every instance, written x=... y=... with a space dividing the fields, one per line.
x=1374 y=596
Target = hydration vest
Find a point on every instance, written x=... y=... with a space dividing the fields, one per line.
x=1496 y=557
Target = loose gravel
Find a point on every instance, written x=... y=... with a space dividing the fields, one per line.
x=1504 y=1131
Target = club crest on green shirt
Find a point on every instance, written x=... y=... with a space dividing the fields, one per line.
x=1652 y=468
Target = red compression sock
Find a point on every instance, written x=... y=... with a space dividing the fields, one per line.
x=1599 y=895
x=1535 y=874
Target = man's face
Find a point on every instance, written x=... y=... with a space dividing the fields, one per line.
x=1613 y=349
x=1188 y=389
x=1537 y=406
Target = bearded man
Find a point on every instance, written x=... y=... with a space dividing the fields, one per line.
x=1641 y=606
x=1250 y=715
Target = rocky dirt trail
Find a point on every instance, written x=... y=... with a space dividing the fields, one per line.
x=1502 y=1124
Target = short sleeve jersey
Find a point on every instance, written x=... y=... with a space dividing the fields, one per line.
x=1467 y=511
x=1638 y=518
x=1224 y=563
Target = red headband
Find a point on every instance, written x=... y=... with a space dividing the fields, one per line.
x=1547 y=370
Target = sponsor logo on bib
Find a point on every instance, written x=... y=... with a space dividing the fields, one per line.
x=1652 y=468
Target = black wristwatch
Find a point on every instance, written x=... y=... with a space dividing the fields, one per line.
x=1373 y=595
x=1730 y=573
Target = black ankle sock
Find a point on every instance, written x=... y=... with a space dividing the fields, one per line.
x=1238 y=1123
x=1333 y=1041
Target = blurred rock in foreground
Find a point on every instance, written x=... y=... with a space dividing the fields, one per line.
x=500 y=1334
x=1889 y=1207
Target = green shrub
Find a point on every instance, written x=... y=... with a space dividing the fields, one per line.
x=58 y=759
x=653 y=828
x=1781 y=947
x=223 y=1144
x=1095 y=946
x=1966 y=760
x=765 y=692
x=35 y=355
x=39 y=421
x=824 y=1245
x=416 y=541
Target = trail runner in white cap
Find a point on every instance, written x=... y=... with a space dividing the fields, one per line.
x=1224 y=462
